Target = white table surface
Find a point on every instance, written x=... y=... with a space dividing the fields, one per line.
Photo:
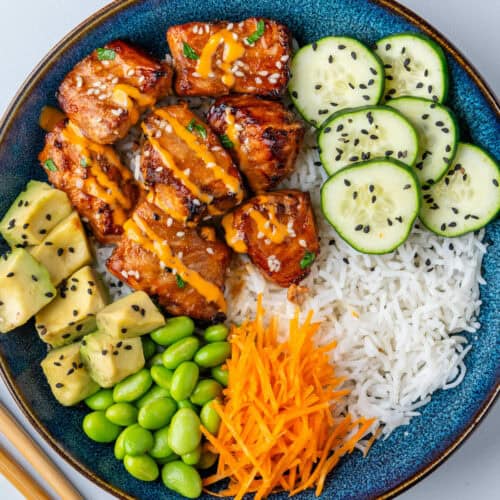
x=29 y=28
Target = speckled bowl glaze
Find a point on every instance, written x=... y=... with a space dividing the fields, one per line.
x=410 y=453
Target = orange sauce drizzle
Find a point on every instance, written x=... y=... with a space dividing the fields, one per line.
x=233 y=50
x=49 y=118
x=136 y=228
x=233 y=237
x=123 y=95
x=231 y=131
x=270 y=227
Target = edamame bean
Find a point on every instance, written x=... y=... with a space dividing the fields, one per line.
x=174 y=329
x=162 y=376
x=184 y=433
x=136 y=440
x=161 y=449
x=123 y=414
x=210 y=418
x=141 y=467
x=133 y=387
x=216 y=333
x=101 y=400
x=148 y=347
x=119 y=450
x=156 y=392
x=182 y=350
x=157 y=414
x=166 y=460
x=156 y=360
x=184 y=380
x=207 y=459
x=212 y=354
x=205 y=391
x=221 y=375
x=193 y=457
x=182 y=478
x=185 y=403
x=99 y=428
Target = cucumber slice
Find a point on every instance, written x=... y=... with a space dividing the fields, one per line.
x=364 y=133
x=333 y=73
x=372 y=204
x=438 y=132
x=414 y=65
x=467 y=198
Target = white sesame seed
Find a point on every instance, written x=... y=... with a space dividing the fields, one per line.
x=211 y=74
x=258 y=80
x=170 y=221
x=273 y=263
x=260 y=235
x=187 y=171
x=157 y=134
x=124 y=274
x=79 y=183
x=239 y=74
x=116 y=112
x=239 y=63
x=96 y=84
x=210 y=251
x=162 y=265
x=240 y=25
x=267 y=241
x=114 y=80
x=278 y=65
x=168 y=58
x=267 y=224
x=275 y=75
x=235 y=36
x=147 y=153
x=195 y=28
x=97 y=119
x=207 y=28
x=238 y=127
x=180 y=255
x=79 y=82
x=216 y=148
x=250 y=88
x=263 y=73
x=180 y=234
x=230 y=26
x=211 y=164
x=159 y=169
x=302 y=243
x=90 y=91
x=207 y=217
x=168 y=128
x=196 y=202
x=105 y=63
x=284 y=58
x=102 y=97
x=195 y=74
x=141 y=79
x=273 y=81
x=131 y=72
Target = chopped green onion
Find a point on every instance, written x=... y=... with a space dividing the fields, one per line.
x=307 y=260
x=261 y=25
x=50 y=165
x=83 y=162
x=226 y=142
x=105 y=54
x=189 y=52
x=192 y=126
x=180 y=282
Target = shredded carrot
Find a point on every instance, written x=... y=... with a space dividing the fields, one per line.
x=278 y=431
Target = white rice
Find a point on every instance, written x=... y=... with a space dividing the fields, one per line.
x=396 y=317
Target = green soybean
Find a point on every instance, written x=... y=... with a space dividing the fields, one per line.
x=160 y=448
x=184 y=380
x=123 y=414
x=148 y=347
x=162 y=376
x=141 y=467
x=156 y=360
x=221 y=375
x=205 y=391
x=157 y=414
x=193 y=457
x=99 y=428
x=182 y=478
x=166 y=460
x=175 y=329
x=212 y=354
x=210 y=418
x=156 y=392
x=185 y=403
x=216 y=333
x=207 y=459
x=182 y=350
x=136 y=440
x=184 y=433
x=101 y=400
x=119 y=450
x=133 y=387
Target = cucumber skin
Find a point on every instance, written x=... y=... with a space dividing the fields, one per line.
x=380 y=69
x=439 y=51
x=480 y=225
x=375 y=107
x=396 y=163
x=453 y=118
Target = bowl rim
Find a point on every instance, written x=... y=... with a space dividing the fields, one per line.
x=7 y=119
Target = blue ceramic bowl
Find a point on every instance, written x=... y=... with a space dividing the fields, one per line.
x=391 y=465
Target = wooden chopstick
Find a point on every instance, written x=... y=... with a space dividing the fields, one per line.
x=36 y=457
x=19 y=478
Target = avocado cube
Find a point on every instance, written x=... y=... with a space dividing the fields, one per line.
x=67 y=376
x=65 y=249
x=130 y=317
x=109 y=359
x=33 y=214
x=73 y=313
x=25 y=288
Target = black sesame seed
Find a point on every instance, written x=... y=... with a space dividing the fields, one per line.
x=119 y=344
x=124 y=330
x=443 y=227
x=9 y=275
x=34 y=278
x=89 y=291
x=346 y=260
x=362 y=86
x=322 y=112
x=71 y=250
x=407 y=186
x=374 y=137
x=48 y=243
x=451 y=246
x=330 y=59
x=495 y=182
x=56 y=363
x=359 y=227
x=354 y=158
x=59 y=385
x=371 y=188
x=79 y=328
x=447 y=181
x=42 y=231
x=128 y=347
x=66 y=336
x=356 y=141
x=354 y=195
x=60 y=251
x=104 y=352
x=419 y=85
x=314 y=46
x=143 y=312
x=318 y=86
x=327 y=130
x=366 y=229
x=115 y=353
x=374 y=199
x=445 y=130
x=70 y=371
x=399 y=219
x=341 y=47
x=448 y=148
x=347 y=182
x=373 y=71
x=294 y=94
x=340 y=128
x=365 y=156
x=428 y=262
x=387 y=46
x=11 y=224
x=389 y=221
x=389 y=153
x=135 y=307
x=334 y=104
x=351 y=85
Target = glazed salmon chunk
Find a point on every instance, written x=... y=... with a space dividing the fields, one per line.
x=188 y=172
x=278 y=232
x=100 y=188
x=105 y=93
x=262 y=136
x=183 y=268
x=213 y=59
